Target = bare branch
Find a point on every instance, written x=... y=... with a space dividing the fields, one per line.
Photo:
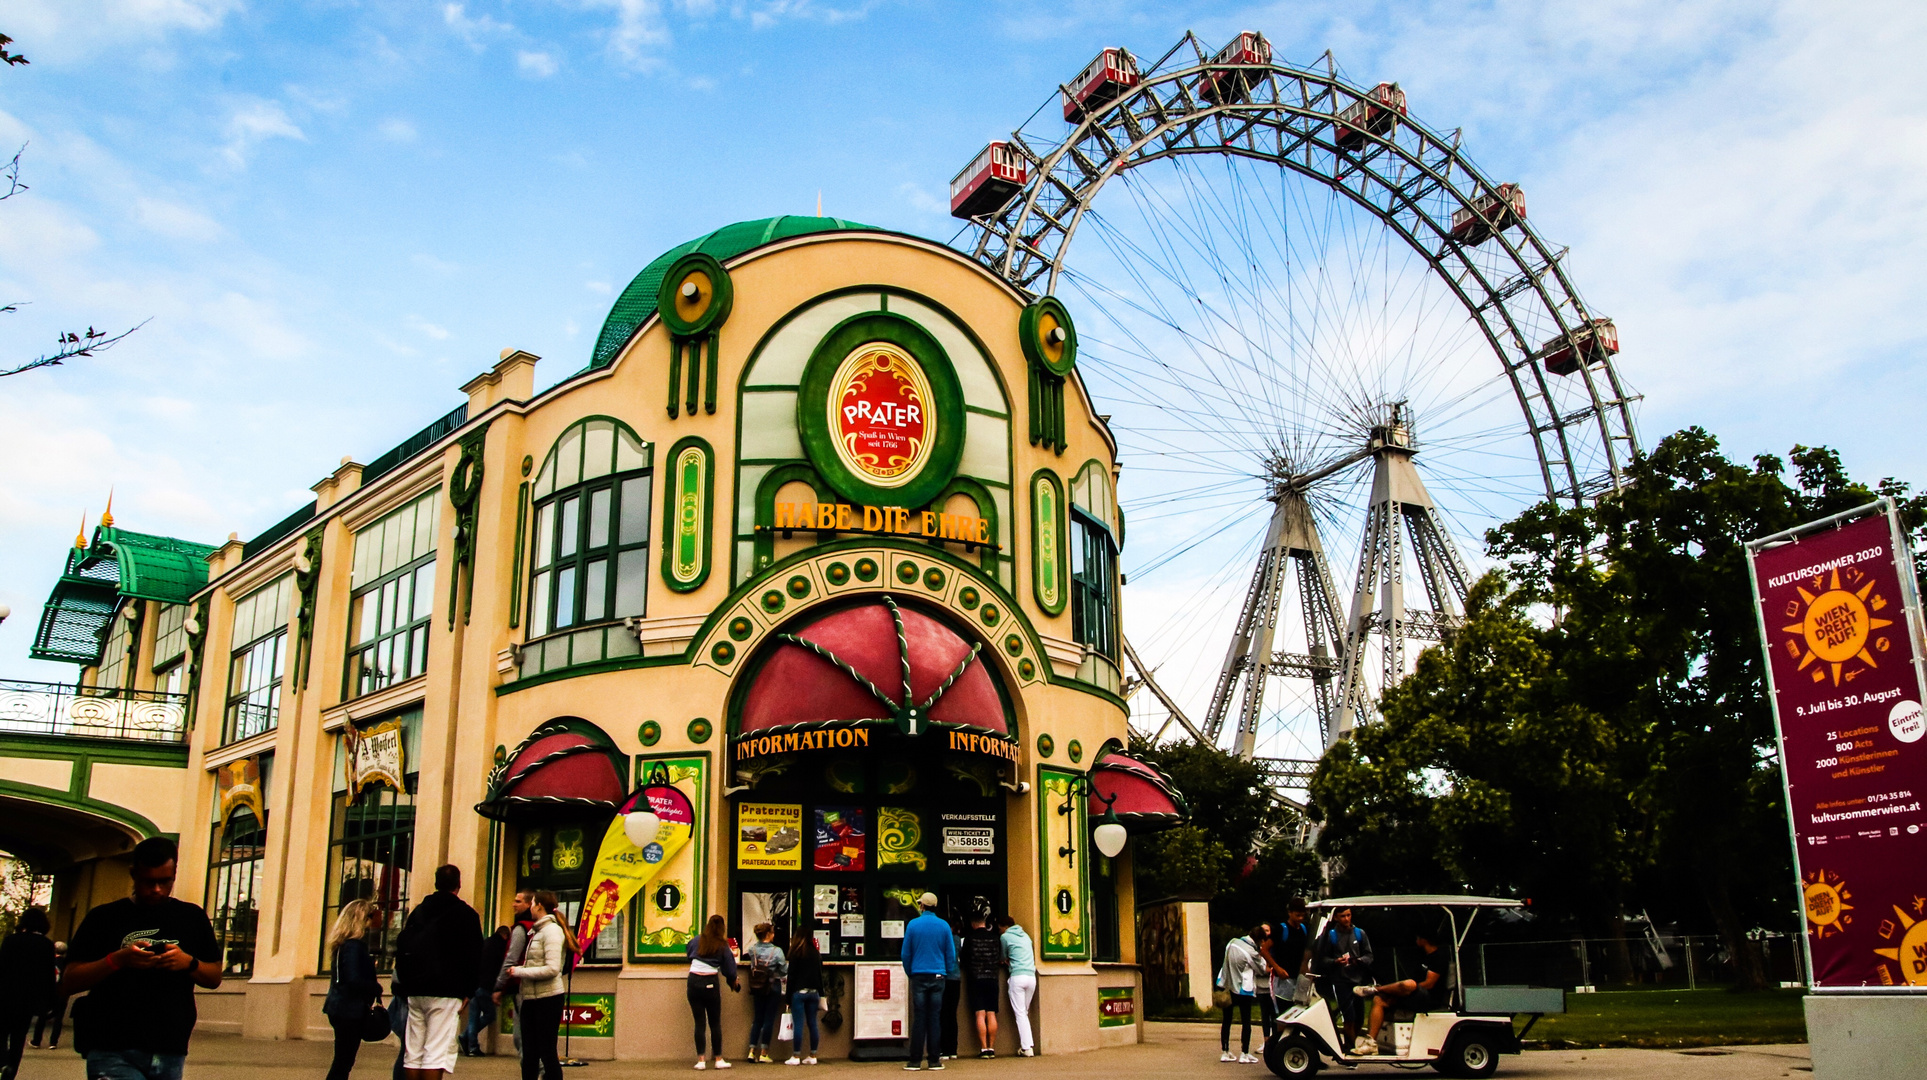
x=11 y=171
x=10 y=58
x=72 y=345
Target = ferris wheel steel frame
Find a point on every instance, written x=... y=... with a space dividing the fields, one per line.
x=1508 y=279
x=1411 y=178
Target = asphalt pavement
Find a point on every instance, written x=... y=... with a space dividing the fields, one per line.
x=1169 y=1050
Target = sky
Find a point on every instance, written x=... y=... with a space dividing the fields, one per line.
x=327 y=216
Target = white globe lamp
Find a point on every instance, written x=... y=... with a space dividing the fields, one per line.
x=641 y=827
x=1110 y=838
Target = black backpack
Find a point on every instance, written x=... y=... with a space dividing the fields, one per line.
x=762 y=973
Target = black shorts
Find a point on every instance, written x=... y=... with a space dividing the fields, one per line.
x=982 y=993
x=1418 y=1001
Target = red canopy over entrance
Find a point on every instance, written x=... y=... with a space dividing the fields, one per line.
x=1146 y=800
x=854 y=664
x=565 y=767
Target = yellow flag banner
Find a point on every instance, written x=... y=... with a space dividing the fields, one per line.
x=622 y=868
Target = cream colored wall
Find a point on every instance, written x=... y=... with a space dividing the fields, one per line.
x=464 y=718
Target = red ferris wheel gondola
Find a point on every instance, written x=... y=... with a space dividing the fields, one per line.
x=1227 y=82
x=1102 y=80
x=988 y=182
x=1377 y=113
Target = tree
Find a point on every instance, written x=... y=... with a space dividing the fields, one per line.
x=70 y=344
x=1598 y=735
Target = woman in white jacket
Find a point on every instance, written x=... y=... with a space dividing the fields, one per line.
x=538 y=1007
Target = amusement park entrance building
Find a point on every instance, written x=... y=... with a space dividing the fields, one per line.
x=783 y=545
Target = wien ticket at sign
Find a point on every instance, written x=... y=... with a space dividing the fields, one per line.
x=1847 y=696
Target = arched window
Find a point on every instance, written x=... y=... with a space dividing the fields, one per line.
x=590 y=542
x=234 y=888
x=1093 y=544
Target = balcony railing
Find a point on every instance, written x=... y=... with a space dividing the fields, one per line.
x=38 y=708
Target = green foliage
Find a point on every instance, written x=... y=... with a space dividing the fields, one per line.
x=1597 y=735
x=1239 y=848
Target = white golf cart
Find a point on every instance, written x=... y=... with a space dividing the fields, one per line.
x=1465 y=1039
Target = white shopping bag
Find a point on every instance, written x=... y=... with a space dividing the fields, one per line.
x=786 y=1031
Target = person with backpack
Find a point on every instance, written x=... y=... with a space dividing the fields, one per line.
x=140 y=958
x=26 y=984
x=767 y=966
x=481 y=1006
x=1020 y=962
x=983 y=954
x=806 y=994
x=435 y=963
x=1341 y=958
x=710 y=959
x=1239 y=976
x=929 y=959
x=353 y=989
x=538 y=1004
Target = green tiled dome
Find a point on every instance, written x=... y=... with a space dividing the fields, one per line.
x=638 y=301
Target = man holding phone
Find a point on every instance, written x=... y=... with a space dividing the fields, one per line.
x=140 y=959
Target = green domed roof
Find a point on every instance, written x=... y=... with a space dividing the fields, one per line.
x=638 y=301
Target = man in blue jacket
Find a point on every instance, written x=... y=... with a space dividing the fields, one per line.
x=929 y=958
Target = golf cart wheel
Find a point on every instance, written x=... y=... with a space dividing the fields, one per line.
x=1472 y=1056
x=1293 y=1055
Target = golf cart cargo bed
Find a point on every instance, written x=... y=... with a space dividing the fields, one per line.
x=1510 y=1000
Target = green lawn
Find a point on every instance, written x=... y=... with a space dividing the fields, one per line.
x=1673 y=1018
x=1657 y=1018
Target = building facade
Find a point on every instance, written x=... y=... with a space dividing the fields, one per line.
x=824 y=538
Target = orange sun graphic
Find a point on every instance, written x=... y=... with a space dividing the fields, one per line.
x=1827 y=907
x=1910 y=952
x=1837 y=626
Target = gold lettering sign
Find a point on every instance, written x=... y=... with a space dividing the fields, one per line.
x=881 y=521
x=880 y=414
x=790 y=742
x=970 y=742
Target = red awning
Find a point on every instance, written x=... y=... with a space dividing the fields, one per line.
x=563 y=769
x=808 y=685
x=1146 y=800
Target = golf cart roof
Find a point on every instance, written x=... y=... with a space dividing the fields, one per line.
x=1415 y=900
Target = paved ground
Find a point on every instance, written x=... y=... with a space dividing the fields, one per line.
x=1170 y=1050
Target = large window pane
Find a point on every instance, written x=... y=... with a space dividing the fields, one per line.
x=635 y=511
x=544 y=536
x=565 y=597
x=599 y=518
x=424 y=592
x=539 y=599
x=595 y=589
x=570 y=534
x=632 y=582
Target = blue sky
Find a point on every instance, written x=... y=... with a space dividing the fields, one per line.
x=337 y=213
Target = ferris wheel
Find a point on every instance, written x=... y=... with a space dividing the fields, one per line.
x=1329 y=344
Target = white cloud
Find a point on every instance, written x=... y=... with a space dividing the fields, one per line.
x=601 y=288
x=473 y=31
x=427 y=329
x=397 y=130
x=56 y=32
x=174 y=220
x=253 y=124
x=914 y=194
x=535 y=65
x=638 y=31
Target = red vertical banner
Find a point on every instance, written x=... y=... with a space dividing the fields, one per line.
x=1841 y=624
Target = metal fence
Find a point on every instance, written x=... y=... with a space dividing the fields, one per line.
x=1684 y=961
x=38 y=708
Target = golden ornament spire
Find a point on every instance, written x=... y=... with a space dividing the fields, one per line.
x=80 y=538
x=107 y=517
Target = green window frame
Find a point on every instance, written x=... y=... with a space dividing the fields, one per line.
x=393 y=597
x=589 y=545
x=122 y=639
x=371 y=846
x=258 y=661
x=236 y=855
x=170 y=635
x=1093 y=585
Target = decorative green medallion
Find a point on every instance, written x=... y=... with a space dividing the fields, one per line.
x=649 y=733
x=837 y=573
x=933 y=579
x=740 y=628
x=694 y=300
x=1045 y=744
x=773 y=601
x=906 y=571
x=866 y=569
x=501 y=754
x=1047 y=529
x=1014 y=645
x=1050 y=344
x=1076 y=750
x=686 y=510
x=799 y=586
x=1026 y=669
x=990 y=614
x=881 y=412
x=722 y=652
x=700 y=730
x=968 y=597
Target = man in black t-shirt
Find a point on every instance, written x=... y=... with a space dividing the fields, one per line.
x=1427 y=993
x=140 y=959
x=982 y=954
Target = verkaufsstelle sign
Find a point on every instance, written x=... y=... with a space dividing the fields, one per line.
x=1841 y=624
